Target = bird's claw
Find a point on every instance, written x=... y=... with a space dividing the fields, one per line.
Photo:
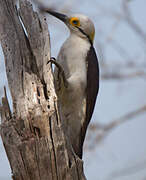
x=60 y=69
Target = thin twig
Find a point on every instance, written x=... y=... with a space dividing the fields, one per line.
x=106 y=129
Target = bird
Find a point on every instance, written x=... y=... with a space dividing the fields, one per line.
x=76 y=77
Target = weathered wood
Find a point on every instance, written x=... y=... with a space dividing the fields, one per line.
x=32 y=135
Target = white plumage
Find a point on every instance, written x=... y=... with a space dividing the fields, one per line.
x=72 y=57
x=78 y=60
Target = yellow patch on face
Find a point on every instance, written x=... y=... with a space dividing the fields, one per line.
x=92 y=36
x=74 y=21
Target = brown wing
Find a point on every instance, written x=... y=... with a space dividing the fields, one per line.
x=91 y=92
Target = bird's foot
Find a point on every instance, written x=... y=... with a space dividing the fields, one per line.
x=60 y=70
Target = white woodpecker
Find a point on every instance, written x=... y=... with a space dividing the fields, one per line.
x=77 y=86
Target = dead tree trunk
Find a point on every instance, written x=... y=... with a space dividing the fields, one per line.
x=32 y=135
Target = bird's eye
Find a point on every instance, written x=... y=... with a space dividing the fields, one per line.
x=74 y=21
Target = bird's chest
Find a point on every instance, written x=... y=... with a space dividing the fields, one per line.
x=73 y=57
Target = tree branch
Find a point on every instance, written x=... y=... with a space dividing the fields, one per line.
x=101 y=131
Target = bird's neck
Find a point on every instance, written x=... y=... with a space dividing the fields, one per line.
x=78 y=38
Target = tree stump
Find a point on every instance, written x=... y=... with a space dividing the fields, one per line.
x=32 y=135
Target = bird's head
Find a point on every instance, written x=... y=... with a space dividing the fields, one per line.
x=79 y=24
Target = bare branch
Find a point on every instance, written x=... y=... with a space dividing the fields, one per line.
x=101 y=131
x=122 y=76
x=132 y=23
x=128 y=170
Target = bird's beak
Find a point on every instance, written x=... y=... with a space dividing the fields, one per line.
x=60 y=16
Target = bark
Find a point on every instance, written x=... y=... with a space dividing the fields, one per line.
x=32 y=135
